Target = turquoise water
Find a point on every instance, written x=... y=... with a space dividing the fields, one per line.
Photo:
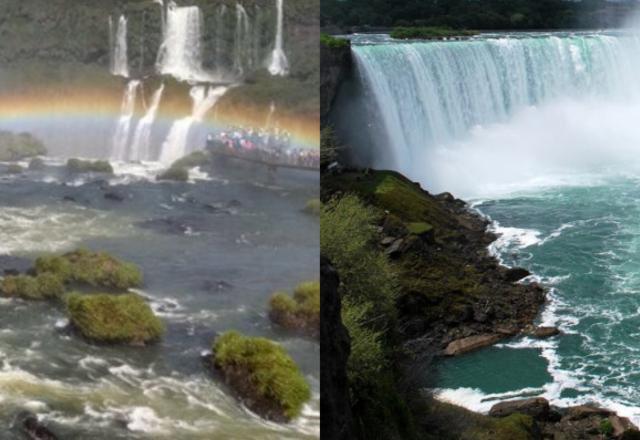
x=584 y=243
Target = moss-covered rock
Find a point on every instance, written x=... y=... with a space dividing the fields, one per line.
x=300 y=312
x=178 y=174
x=195 y=159
x=41 y=287
x=114 y=319
x=36 y=164
x=98 y=269
x=19 y=146
x=88 y=166
x=263 y=374
x=313 y=207
x=14 y=168
x=514 y=427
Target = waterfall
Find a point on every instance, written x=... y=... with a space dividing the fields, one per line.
x=123 y=127
x=279 y=65
x=180 y=54
x=242 y=40
x=204 y=99
x=220 y=36
x=120 y=62
x=140 y=146
x=443 y=112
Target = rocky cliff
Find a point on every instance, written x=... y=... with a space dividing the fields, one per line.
x=335 y=66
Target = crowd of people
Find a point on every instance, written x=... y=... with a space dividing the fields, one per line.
x=269 y=146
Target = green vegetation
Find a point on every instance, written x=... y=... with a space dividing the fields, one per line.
x=429 y=33
x=178 y=174
x=263 y=373
x=41 y=287
x=19 y=146
x=313 y=207
x=606 y=428
x=300 y=312
x=473 y=14
x=114 y=318
x=97 y=269
x=14 y=168
x=87 y=166
x=36 y=164
x=333 y=42
x=514 y=427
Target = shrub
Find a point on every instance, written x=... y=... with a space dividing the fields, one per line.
x=97 y=269
x=263 y=373
x=302 y=312
x=347 y=237
x=178 y=174
x=333 y=42
x=114 y=318
x=428 y=33
x=87 y=166
x=43 y=286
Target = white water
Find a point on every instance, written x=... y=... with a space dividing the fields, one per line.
x=478 y=116
x=279 y=65
x=120 y=61
x=204 y=99
x=180 y=54
x=242 y=40
x=141 y=144
x=123 y=127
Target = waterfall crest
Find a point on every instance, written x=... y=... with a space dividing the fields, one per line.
x=435 y=102
x=180 y=54
x=123 y=127
x=279 y=64
x=119 y=57
x=204 y=99
x=141 y=144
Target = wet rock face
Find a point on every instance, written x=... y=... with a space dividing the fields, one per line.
x=334 y=351
x=335 y=66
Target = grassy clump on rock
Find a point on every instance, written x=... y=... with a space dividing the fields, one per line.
x=430 y=33
x=41 y=287
x=175 y=173
x=19 y=146
x=98 y=269
x=333 y=42
x=195 y=159
x=114 y=318
x=300 y=312
x=313 y=207
x=88 y=166
x=263 y=374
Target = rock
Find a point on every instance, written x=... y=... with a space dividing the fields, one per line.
x=545 y=332
x=216 y=286
x=471 y=343
x=387 y=241
x=584 y=411
x=620 y=425
x=395 y=249
x=32 y=427
x=114 y=196
x=335 y=407
x=69 y=199
x=537 y=407
x=516 y=274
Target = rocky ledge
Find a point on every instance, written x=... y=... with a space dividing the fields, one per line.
x=454 y=296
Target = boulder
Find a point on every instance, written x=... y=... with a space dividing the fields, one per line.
x=516 y=274
x=545 y=332
x=620 y=425
x=471 y=343
x=585 y=411
x=34 y=429
x=114 y=196
x=395 y=249
x=537 y=407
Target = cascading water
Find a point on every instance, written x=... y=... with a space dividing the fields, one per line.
x=141 y=144
x=123 y=127
x=461 y=115
x=180 y=54
x=221 y=15
x=204 y=99
x=242 y=40
x=119 y=57
x=279 y=65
